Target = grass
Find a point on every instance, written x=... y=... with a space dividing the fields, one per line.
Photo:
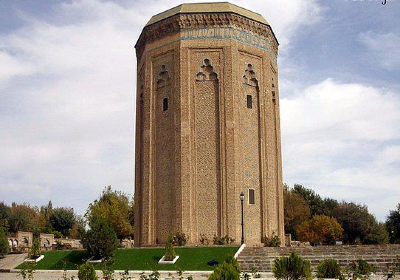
x=190 y=259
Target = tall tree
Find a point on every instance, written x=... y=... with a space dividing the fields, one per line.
x=296 y=211
x=62 y=220
x=393 y=225
x=313 y=199
x=101 y=240
x=356 y=221
x=23 y=217
x=4 y=247
x=114 y=208
x=5 y=213
x=320 y=229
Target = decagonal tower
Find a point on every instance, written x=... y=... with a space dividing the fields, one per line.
x=207 y=126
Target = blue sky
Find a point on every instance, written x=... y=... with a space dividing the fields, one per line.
x=67 y=91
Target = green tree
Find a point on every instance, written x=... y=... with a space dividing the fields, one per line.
x=45 y=212
x=296 y=211
x=114 y=207
x=228 y=270
x=5 y=213
x=79 y=228
x=101 y=240
x=34 y=251
x=318 y=206
x=329 y=268
x=86 y=271
x=4 y=247
x=23 y=217
x=313 y=199
x=378 y=235
x=320 y=229
x=393 y=225
x=292 y=268
x=356 y=221
x=169 y=249
x=62 y=220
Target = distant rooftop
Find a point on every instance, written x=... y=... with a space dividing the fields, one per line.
x=211 y=7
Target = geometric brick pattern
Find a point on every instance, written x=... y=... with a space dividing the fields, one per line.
x=198 y=145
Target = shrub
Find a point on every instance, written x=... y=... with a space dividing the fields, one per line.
x=292 y=268
x=169 y=249
x=29 y=271
x=4 y=247
x=86 y=272
x=361 y=267
x=328 y=269
x=108 y=273
x=228 y=270
x=180 y=239
x=223 y=240
x=204 y=240
x=35 y=252
x=273 y=241
x=101 y=240
x=320 y=229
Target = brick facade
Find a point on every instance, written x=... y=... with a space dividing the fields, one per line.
x=207 y=127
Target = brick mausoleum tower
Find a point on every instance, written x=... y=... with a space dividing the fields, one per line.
x=207 y=126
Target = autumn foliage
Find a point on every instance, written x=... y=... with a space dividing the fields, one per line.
x=320 y=229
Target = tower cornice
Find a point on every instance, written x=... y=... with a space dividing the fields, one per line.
x=180 y=22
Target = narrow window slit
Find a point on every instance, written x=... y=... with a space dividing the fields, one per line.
x=252 y=199
x=165 y=104
x=249 y=101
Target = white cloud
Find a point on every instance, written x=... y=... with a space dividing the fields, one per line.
x=287 y=16
x=344 y=140
x=67 y=127
x=383 y=48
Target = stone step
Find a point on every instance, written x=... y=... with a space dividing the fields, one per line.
x=380 y=256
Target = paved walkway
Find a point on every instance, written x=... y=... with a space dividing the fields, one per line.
x=11 y=261
x=58 y=274
x=197 y=275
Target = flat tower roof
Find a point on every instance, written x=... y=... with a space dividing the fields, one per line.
x=211 y=7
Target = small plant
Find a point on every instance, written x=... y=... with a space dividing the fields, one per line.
x=106 y=270
x=360 y=268
x=273 y=241
x=86 y=271
x=245 y=276
x=125 y=275
x=204 y=240
x=190 y=277
x=34 y=252
x=328 y=269
x=179 y=272
x=64 y=266
x=143 y=276
x=254 y=272
x=180 y=239
x=228 y=270
x=29 y=271
x=155 y=275
x=292 y=268
x=223 y=240
x=169 y=249
x=393 y=269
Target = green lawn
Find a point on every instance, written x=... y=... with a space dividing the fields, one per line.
x=140 y=258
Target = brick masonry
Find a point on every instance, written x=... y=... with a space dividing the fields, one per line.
x=198 y=145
